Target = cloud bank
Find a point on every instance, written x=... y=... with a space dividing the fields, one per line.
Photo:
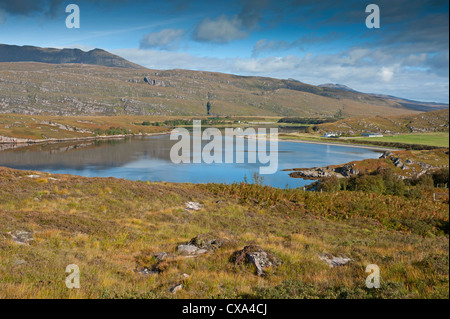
x=166 y=39
x=349 y=68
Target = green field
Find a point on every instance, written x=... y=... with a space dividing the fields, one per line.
x=432 y=139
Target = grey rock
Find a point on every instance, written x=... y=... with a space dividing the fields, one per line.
x=398 y=162
x=146 y=272
x=21 y=236
x=201 y=251
x=161 y=256
x=256 y=256
x=187 y=249
x=176 y=288
x=333 y=261
x=256 y=259
x=347 y=170
x=193 y=206
x=19 y=262
x=207 y=241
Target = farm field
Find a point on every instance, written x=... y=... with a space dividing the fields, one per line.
x=440 y=139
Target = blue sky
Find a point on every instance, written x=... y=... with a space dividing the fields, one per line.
x=312 y=41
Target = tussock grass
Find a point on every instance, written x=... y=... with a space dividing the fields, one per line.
x=111 y=227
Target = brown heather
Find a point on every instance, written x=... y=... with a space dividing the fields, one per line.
x=110 y=227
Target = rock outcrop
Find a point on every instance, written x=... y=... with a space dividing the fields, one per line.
x=200 y=245
x=256 y=256
x=333 y=261
x=314 y=173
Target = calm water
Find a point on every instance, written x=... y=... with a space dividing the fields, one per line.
x=147 y=158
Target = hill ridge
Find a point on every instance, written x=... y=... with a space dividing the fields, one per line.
x=28 y=53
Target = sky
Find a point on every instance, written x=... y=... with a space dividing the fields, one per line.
x=313 y=41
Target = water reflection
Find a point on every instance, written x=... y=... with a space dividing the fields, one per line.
x=148 y=158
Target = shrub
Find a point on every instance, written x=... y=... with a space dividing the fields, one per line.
x=367 y=183
x=331 y=184
x=425 y=182
x=441 y=177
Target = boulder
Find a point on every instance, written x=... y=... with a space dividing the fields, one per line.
x=161 y=256
x=193 y=206
x=176 y=288
x=398 y=162
x=21 y=236
x=207 y=241
x=200 y=245
x=146 y=272
x=333 y=261
x=187 y=250
x=347 y=170
x=256 y=256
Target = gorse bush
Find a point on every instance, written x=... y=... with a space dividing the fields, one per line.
x=112 y=131
x=441 y=177
x=385 y=182
x=415 y=212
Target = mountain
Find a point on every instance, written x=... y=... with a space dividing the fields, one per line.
x=66 y=87
x=337 y=87
x=14 y=53
x=409 y=104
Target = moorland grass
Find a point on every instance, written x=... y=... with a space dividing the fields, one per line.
x=111 y=227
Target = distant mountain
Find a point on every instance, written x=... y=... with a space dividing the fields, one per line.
x=409 y=104
x=14 y=53
x=81 y=83
x=337 y=87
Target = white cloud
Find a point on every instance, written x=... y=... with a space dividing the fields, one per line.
x=164 y=39
x=349 y=68
x=386 y=74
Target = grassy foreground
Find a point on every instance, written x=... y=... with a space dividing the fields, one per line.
x=111 y=227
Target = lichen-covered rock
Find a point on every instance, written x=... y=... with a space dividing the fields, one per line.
x=207 y=241
x=398 y=162
x=21 y=236
x=256 y=256
x=187 y=250
x=176 y=288
x=161 y=256
x=200 y=245
x=333 y=261
x=193 y=206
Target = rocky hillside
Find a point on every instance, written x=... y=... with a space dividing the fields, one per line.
x=435 y=121
x=337 y=87
x=14 y=53
x=73 y=82
x=405 y=164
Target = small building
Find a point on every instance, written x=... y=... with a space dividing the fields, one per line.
x=371 y=134
x=330 y=135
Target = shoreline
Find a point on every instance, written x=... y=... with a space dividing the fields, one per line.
x=375 y=148
x=26 y=142
x=74 y=139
